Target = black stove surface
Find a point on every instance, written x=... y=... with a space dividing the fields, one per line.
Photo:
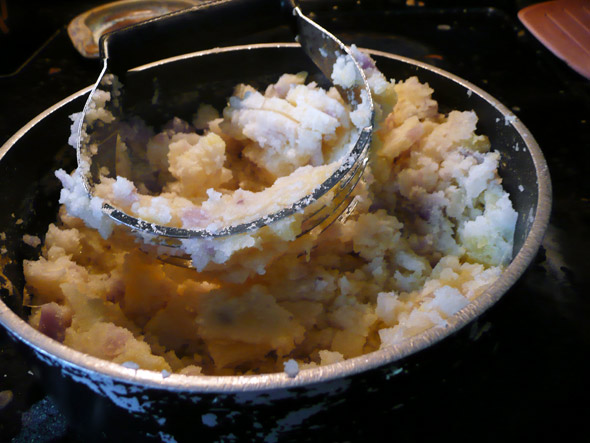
x=527 y=378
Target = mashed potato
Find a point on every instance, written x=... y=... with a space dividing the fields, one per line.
x=431 y=229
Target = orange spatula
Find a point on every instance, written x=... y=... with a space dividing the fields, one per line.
x=563 y=26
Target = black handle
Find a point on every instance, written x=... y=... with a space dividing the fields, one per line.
x=208 y=25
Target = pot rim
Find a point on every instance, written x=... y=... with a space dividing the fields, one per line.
x=72 y=361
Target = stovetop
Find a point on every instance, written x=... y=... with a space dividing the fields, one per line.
x=528 y=377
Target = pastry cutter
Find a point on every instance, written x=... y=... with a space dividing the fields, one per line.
x=212 y=24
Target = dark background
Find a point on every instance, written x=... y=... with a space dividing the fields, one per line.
x=527 y=378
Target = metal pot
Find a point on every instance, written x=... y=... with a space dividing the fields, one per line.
x=119 y=401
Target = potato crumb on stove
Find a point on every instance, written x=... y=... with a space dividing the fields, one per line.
x=31 y=240
x=6 y=397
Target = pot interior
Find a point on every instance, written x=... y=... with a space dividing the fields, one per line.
x=29 y=191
